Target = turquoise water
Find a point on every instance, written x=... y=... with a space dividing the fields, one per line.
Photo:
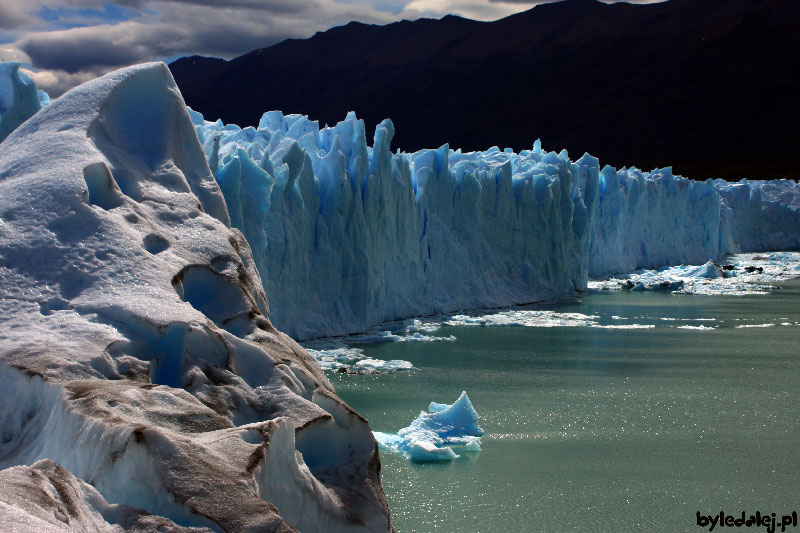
x=602 y=429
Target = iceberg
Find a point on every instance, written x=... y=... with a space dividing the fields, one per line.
x=433 y=435
x=142 y=384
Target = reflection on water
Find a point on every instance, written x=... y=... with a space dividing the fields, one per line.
x=602 y=429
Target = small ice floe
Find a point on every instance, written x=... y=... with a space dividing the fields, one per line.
x=437 y=434
x=334 y=356
x=624 y=326
x=523 y=317
x=698 y=328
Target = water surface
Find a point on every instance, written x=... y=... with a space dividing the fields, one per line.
x=602 y=429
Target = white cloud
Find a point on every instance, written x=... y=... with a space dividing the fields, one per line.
x=158 y=29
x=55 y=82
x=161 y=29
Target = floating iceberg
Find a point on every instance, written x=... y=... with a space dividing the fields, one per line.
x=136 y=351
x=433 y=435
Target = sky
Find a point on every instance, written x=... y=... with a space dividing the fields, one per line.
x=62 y=43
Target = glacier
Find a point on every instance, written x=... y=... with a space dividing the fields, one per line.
x=149 y=383
x=654 y=219
x=363 y=236
x=143 y=384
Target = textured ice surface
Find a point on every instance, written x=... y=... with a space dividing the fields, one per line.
x=432 y=436
x=363 y=236
x=763 y=215
x=136 y=350
x=19 y=99
x=651 y=219
x=735 y=275
x=45 y=498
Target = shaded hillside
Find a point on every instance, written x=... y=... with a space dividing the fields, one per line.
x=709 y=86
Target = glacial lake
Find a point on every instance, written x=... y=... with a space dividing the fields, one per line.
x=602 y=429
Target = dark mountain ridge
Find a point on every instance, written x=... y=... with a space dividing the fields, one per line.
x=711 y=87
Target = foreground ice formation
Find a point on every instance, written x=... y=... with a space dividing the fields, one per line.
x=45 y=498
x=142 y=384
x=433 y=435
x=364 y=236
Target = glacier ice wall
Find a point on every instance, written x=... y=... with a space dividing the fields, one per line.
x=654 y=219
x=647 y=220
x=347 y=235
x=366 y=236
x=136 y=351
x=762 y=215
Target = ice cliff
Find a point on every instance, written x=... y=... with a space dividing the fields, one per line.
x=653 y=219
x=142 y=385
x=361 y=235
x=347 y=235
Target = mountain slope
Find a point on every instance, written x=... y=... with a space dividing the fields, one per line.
x=709 y=87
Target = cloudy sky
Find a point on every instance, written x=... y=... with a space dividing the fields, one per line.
x=66 y=42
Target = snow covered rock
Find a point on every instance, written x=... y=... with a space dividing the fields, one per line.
x=136 y=350
x=19 y=99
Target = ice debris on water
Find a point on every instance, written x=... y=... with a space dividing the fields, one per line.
x=436 y=434
x=334 y=355
x=738 y=275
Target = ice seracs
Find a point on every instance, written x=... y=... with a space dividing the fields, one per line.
x=363 y=236
x=136 y=350
x=368 y=236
